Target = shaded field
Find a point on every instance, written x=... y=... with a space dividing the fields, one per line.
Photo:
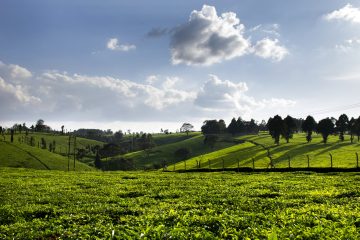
x=158 y=205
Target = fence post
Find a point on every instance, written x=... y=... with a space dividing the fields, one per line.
x=357 y=160
x=223 y=163
x=331 y=160
x=209 y=164
x=253 y=162
x=174 y=166
x=289 y=161
x=200 y=163
x=238 y=162
x=185 y=164
x=308 y=159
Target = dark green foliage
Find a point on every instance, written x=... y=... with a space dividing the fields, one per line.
x=12 y=135
x=276 y=128
x=289 y=126
x=325 y=127
x=213 y=127
x=182 y=153
x=342 y=125
x=308 y=126
x=233 y=127
x=211 y=140
x=43 y=143
x=97 y=162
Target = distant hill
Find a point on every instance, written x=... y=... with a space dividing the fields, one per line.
x=165 y=153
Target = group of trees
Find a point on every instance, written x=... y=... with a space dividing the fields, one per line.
x=286 y=127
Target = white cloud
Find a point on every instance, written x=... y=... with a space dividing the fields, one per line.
x=207 y=39
x=268 y=48
x=113 y=44
x=347 y=13
x=152 y=79
x=224 y=95
x=17 y=92
x=348 y=45
x=131 y=92
x=13 y=72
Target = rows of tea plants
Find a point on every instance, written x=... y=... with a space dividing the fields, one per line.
x=161 y=205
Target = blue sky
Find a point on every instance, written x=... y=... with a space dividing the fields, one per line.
x=96 y=63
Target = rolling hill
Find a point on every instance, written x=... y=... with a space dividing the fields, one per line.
x=21 y=155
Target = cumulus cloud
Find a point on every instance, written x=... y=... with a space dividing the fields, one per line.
x=113 y=44
x=14 y=72
x=347 y=13
x=224 y=95
x=61 y=96
x=207 y=39
x=268 y=48
x=17 y=93
x=131 y=92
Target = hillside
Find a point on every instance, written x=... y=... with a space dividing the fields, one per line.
x=21 y=155
x=343 y=153
x=165 y=152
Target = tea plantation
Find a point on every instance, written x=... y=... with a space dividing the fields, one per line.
x=37 y=204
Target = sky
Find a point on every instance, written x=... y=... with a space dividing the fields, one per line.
x=147 y=65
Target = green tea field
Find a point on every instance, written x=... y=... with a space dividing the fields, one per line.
x=161 y=205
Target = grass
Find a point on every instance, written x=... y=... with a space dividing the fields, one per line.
x=166 y=152
x=20 y=155
x=298 y=150
x=154 y=205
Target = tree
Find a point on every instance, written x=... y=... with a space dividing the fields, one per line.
x=342 y=125
x=97 y=162
x=232 y=128
x=289 y=126
x=186 y=127
x=182 y=153
x=213 y=127
x=40 y=126
x=325 y=127
x=357 y=126
x=62 y=130
x=352 y=128
x=118 y=135
x=12 y=135
x=308 y=126
x=276 y=127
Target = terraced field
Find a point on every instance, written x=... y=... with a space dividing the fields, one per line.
x=298 y=151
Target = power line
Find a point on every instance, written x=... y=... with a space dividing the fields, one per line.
x=335 y=109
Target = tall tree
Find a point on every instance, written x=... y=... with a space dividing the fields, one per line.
x=97 y=162
x=39 y=125
x=211 y=140
x=232 y=128
x=352 y=128
x=62 y=130
x=186 y=127
x=276 y=127
x=308 y=126
x=325 y=127
x=289 y=125
x=342 y=125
